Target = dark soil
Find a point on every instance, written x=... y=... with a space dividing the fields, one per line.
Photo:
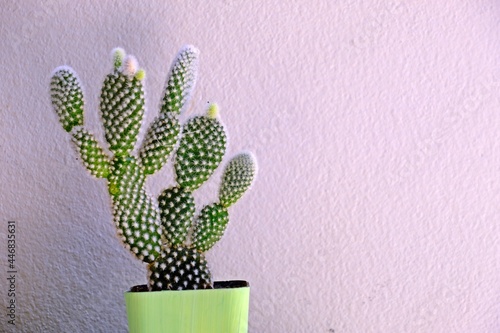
x=217 y=285
x=230 y=284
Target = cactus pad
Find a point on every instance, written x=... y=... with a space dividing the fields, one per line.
x=210 y=226
x=93 y=157
x=137 y=222
x=200 y=152
x=181 y=80
x=159 y=142
x=176 y=214
x=237 y=178
x=179 y=268
x=135 y=214
x=67 y=97
x=122 y=110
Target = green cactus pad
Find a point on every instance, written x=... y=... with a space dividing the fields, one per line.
x=237 y=178
x=176 y=214
x=67 y=97
x=210 y=226
x=159 y=142
x=126 y=177
x=200 y=151
x=138 y=225
x=179 y=268
x=135 y=214
x=93 y=157
x=122 y=110
x=181 y=80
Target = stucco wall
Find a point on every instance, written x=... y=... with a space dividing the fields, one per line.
x=377 y=129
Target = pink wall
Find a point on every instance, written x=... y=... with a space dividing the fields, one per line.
x=377 y=129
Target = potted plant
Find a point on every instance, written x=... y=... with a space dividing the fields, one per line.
x=167 y=233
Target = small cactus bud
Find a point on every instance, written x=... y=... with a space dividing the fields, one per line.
x=130 y=65
x=140 y=75
x=213 y=111
x=118 y=55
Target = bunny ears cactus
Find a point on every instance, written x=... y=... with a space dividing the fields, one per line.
x=165 y=233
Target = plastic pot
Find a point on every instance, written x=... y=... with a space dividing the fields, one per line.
x=223 y=309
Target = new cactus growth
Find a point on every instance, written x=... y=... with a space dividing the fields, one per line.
x=167 y=233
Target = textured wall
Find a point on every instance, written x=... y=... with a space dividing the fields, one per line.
x=376 y=124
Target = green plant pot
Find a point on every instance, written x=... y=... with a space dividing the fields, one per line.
x=223 y=309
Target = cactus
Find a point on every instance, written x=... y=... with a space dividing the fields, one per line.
x=165 y=232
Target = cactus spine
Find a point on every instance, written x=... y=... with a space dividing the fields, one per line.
x=165 y=233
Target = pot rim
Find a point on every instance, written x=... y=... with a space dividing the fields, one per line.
x=218 y=285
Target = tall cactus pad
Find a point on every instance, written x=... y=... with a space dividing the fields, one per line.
x=176 y=214
x=93 y=157
x=237 y=178
x=122 y=108
x=179 y=268
x=137 y=222
x=210 y=226
x=135 y=214
x=67 y=97
x=159 y=142
x=181 y=80
x=200 y=152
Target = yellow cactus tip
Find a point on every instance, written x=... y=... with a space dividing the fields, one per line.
x=140 y=75
x=213 y=111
